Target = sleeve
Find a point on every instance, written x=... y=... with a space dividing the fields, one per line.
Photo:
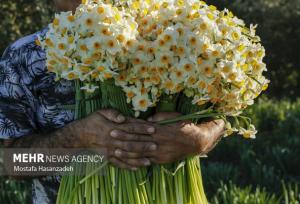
x=16 y=109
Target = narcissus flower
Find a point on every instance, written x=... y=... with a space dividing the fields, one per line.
x=166 y=47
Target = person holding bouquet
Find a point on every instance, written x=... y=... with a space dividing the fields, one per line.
x=31 y=117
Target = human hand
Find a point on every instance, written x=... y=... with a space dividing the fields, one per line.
x=111 y=130
x=179 y=140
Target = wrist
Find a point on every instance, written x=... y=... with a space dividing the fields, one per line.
x=75 y=133
x=86 y=135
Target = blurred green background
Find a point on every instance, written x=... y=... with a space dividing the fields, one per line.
x=238 y=171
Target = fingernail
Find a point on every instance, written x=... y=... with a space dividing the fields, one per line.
x=114 y=133
x=118 y=153
x=151 y=130
x=153 y=147
x=147 y=162
x=120 y=118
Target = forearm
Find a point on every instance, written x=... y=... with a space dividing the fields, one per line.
x=61 y=138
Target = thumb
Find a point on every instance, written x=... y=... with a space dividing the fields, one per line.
x=112 y=115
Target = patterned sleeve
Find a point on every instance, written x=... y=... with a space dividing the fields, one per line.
x=16 y=107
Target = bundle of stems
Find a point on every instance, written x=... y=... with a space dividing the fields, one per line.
x=177 y=183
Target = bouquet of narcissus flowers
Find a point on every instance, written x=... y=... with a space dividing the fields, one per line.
x=145 y=56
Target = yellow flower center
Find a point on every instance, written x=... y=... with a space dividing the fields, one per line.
x=204 y=47
x=202 y=85
x=212 y=8
x=129 y=43
x=121 y=38
x=181 y=50
x=88 y=61
x=97 y=45
x=105 y=31
x=61 y=46
x=235 y=36
x=136 y=61
x=64 y=61
x=49 y=42
x=100 y=68
x=71 y=18
x=191 y=80
x=169 y=85
x=165 y=59
x=226 y=69
x=165 y=5
x=95 y=75
x=144 y=22
x=199 y=60
x=143 y=103
x=179 y=74
x=155 y=79
x=56 y=22
x=207 y=70
x=232 y=76
x=210 y=16
x=89 y=22
x=37 y=42
x=195 y=6
x=141 y=47
x=100 y=10
x=193 y=41
x=83 y=48
x=167 y=38
x=111 y=43
x=130 y=94
x=143 y=69
x=52 y=62
x=70 y=39
x=108 y=76
x=188 y=67
x=180 y=31
x=162 y=43
x=84 y=69
x=71 y=76
x=179 y=12
x=151 y=50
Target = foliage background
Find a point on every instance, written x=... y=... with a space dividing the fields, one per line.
x=266 y=170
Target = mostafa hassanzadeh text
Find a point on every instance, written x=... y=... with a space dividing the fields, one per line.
x=42 y=158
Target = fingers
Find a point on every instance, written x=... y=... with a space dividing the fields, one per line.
x=116 y=162
x=124 y=136
x=134 y=120
x=127 y=155
x=112 y=115
x=163 y=116
x=156 y=161
x=138 y=162
x=130 y=146
x=137 y=128
x=129 y=163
